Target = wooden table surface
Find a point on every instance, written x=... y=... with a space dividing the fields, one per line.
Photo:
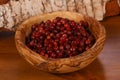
x=105 y=67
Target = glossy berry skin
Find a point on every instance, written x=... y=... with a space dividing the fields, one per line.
x=60 y=38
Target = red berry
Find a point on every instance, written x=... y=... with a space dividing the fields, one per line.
x=60 y=38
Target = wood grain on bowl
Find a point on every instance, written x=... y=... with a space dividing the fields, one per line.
x=63 y=65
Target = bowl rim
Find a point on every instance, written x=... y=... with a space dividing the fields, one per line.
x=18 y=40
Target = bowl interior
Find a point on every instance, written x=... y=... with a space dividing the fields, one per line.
x=25 y=28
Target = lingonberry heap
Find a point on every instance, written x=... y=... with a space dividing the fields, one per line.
x=60 y=38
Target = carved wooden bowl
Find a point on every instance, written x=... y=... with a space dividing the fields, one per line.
x=63 y=65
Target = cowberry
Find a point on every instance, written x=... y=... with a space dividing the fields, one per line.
x=60 y=38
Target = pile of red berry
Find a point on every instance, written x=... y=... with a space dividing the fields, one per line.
x=60 y=38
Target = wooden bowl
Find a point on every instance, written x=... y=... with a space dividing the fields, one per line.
x=63 y=65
